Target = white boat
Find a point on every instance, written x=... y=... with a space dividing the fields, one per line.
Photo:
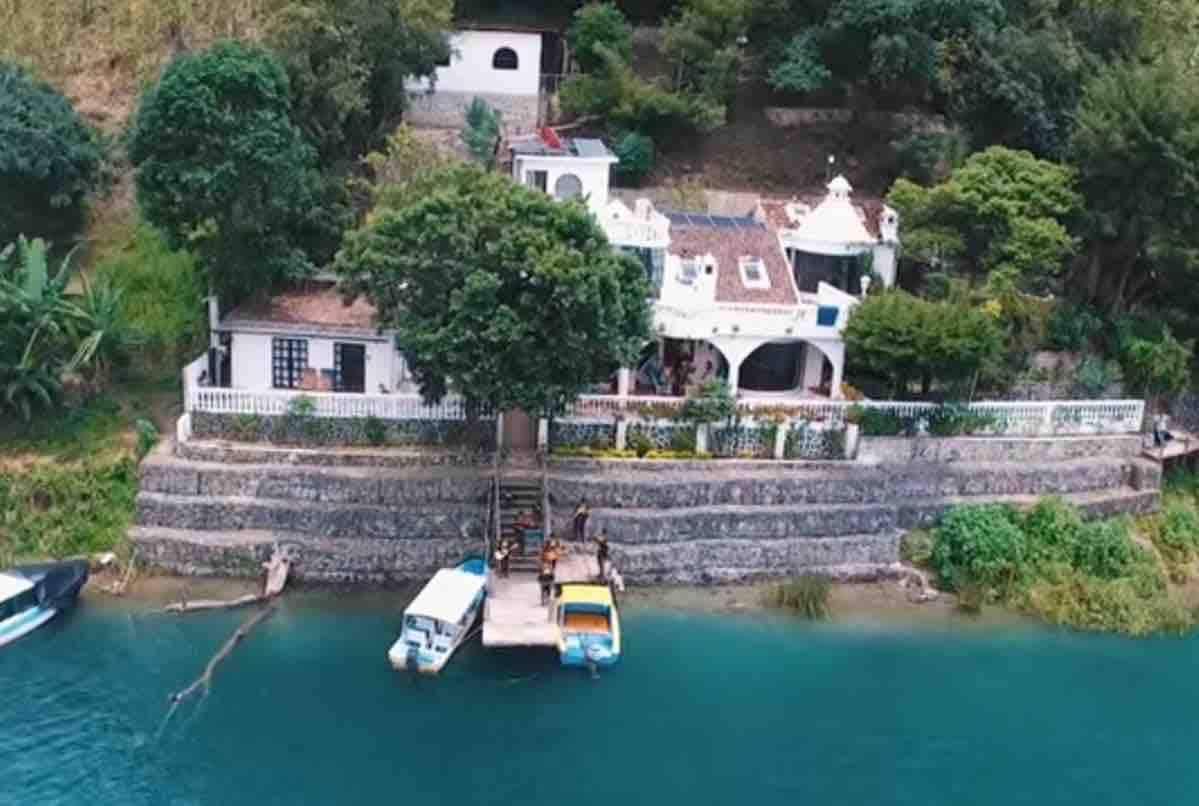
x=440 y=618
x=31 y=595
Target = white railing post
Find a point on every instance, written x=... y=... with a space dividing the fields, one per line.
x=622 y=433
x=1047 y=422
x=701 y=438
x=780 y=439
x=543 y=433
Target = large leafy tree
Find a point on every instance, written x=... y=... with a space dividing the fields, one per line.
x=347 y=61
x=1003 y=217
x=49 y=159
x=223 y=170
x=1136 y=144
x=516 y=299
x=599 y=24
x=896 y=339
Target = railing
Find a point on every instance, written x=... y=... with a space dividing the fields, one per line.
x=1021 y=418
x=216 y=400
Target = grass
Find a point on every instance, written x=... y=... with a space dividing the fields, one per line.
x=806 y=595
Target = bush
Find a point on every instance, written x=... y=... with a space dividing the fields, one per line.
x=712 y=403
x=1175 y=533
x=980 y=543
x=49 y=159
x=481 y=131
x=929 y=157
x=1105 y=549
x=682 y=440
x=147 y=437
x=1053 y=530
x=1071 y=327
x=600 y=24
x=1157 y=365
x=1093 y=375
x=916 y=547
x=375 y=431
x=636 y=153
x=640 y=444
x=807 y=595
x=1135 y=605
x=301 y=407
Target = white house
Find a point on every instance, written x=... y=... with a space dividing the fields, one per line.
x=565 y=167
x=503 y=67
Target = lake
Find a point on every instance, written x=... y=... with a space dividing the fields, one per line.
x=716 y=708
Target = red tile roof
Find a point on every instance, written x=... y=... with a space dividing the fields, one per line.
x=728 y=245
x=318 y=305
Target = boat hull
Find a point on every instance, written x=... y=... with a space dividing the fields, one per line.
x=56 y=586
x=24 y=623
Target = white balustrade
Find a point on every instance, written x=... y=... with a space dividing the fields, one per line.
x=216 y=400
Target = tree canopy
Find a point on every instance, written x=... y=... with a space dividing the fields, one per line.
x=1002 y=216
x=347 y=61
x=599 y=24
x=514 y=298
x=49 y=159
x=223 y=170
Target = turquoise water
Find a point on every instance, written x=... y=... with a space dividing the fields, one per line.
x=706 y=708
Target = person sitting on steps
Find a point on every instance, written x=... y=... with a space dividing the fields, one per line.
x=601 y=553
x=582 y=512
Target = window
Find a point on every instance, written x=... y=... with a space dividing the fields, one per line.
x=289 y=359
x=505 y=59
x=567 y=187
x=689 y=272
x=536 y=179
x=753 y=273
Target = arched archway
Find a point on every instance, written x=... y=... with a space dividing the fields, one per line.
x=568 y=186
x=505 y=59
x=773 y=367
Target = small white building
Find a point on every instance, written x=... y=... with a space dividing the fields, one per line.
x=565 y=167
x=305 y=339
x=502 y=67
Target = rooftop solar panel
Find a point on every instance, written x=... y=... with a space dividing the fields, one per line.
x=585 y=147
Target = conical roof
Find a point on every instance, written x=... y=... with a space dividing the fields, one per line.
x=834 y=222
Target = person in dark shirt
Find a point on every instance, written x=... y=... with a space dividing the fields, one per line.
x=546 y=578
x=601 y=553
x=582 y=512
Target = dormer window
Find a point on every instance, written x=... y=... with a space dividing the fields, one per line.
x=753 y=273
x=689 y=271
x=505 y=59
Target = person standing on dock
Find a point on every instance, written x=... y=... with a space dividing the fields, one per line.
x=601 y=552
x=582 y=512
x=546 y=578
x=502 y=554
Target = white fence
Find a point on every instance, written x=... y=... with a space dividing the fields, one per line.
x=215 y=400
x=1020 y=418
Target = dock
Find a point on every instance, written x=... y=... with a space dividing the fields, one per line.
x=513 y=614
x=1181 y=444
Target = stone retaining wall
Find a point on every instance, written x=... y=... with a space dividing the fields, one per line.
x=1017 y=450
x=441 y=109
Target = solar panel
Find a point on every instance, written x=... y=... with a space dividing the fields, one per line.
x=585 y=147
x=714 y=222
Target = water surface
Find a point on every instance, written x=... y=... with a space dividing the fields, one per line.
x=706 y=708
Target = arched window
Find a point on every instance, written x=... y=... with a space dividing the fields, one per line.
x=568 y=186
x=505 y=59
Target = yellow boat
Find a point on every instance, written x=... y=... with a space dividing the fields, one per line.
x=588 y=626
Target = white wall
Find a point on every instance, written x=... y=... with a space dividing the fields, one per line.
x=592 y=173
x=252 y=360
x=470 y=67
x=884 y=263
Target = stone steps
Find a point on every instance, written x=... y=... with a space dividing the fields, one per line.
x=698 y=524
x=332 y=519
x=854 y=485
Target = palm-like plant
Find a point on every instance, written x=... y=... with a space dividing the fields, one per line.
x=37 y=327
x=100 y=320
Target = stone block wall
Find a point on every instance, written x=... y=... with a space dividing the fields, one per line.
x=441 y=109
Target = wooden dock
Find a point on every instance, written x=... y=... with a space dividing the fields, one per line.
x=513 y=614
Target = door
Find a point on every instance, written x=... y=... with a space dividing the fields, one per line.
x=520 y=431
x=349 y=367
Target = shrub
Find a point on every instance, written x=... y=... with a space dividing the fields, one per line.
x=481 y=131
x=1105 y=549
x=1175 y=533
x=49 y=159
x=147 y=437
x=954 y=419
x=246 y=427
x=1053 y=530
x=375 y=431
x=916 y=547
x=636 y=153
x=600 y=24
x=1135 y=605
x=807 y=595
x=712 y=403
x=1071 y=326
x=682 y=440
x=640 y=444
x=1157 y=365
x=982 y=544
x=929 y=157
x=301 y=406
x=1093 y=376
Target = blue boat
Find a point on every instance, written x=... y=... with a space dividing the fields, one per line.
x=31 y=595
x=440 y=618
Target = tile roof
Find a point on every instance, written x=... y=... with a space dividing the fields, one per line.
x=728 y=245
x=320 y=305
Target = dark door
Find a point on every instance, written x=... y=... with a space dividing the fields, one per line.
x=349 y=366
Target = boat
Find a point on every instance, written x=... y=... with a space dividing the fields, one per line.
x=440 y=618
x=588 y=626
x=31 y=595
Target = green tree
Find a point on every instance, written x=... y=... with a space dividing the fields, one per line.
x=49 y=159
x=223 y=170
x=1136 y=145
x=347 y=61
x=895 y=338
x=703 y=42
x=481 y=131
x=599 y=24
x=636 y=154
x=1002 y=216
x=516 y=299
x=1158 y=364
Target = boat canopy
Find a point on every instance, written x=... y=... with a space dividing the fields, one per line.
x=448 y=595
x=12 y=585
x=596 y=595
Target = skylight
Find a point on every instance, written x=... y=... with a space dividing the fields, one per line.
x=753 y=273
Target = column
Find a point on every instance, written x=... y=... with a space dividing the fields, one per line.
x=813 y=367
x=734 y=375
x=838 y=373
x=624 y=377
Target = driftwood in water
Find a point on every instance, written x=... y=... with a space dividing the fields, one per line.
x=119 y=586
x=277 y=569
x=204 y=681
